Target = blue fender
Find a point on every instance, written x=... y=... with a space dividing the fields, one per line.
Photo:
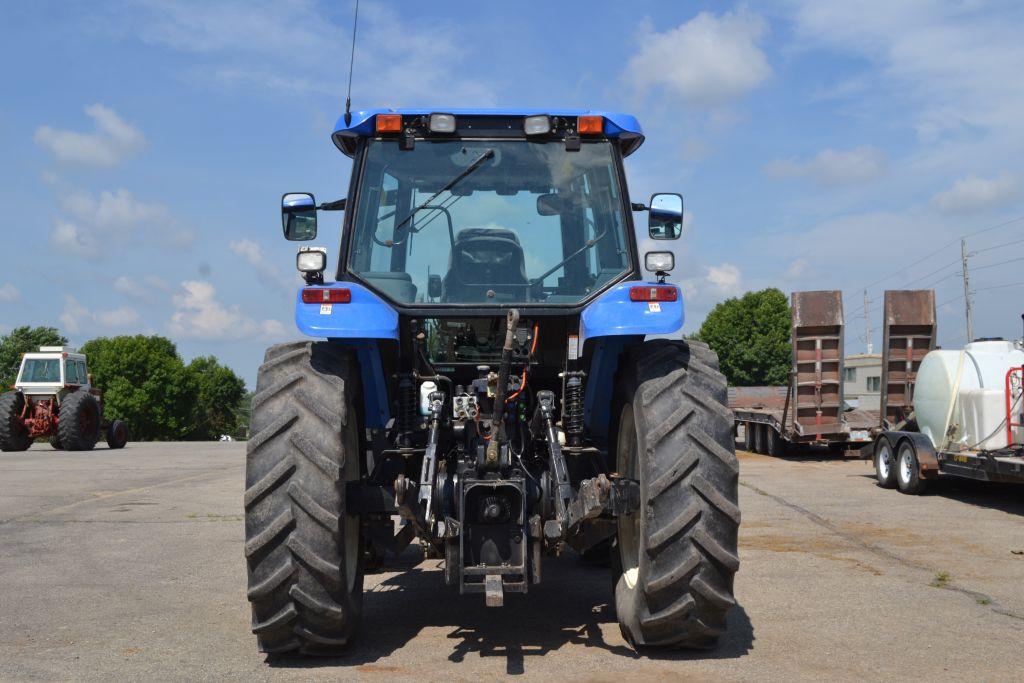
x=360 y=324
x=614 y=314
x=613 y=323
x=366 y=316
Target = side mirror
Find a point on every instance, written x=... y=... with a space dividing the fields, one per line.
x=434 y=286
x=665 y=217
x=298 y=216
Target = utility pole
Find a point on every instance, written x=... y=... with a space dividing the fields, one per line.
x=967 y=292
x=867 y=323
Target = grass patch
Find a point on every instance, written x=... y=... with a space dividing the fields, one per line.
x=983 y=601
x=941 y=580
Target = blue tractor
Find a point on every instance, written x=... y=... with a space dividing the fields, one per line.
x=489 y=376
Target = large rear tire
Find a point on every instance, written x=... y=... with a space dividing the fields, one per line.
x=303 y=552
x=678 y=553
x=13 y=435
x=78 y=427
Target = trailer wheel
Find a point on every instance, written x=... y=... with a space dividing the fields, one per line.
x=676 y=555
x=776 y=446
x=78 y=426
x=908 y=470
x=748 y=437
x=13 y=435
x=760 y=436
x=303 y=552
x=885 y=464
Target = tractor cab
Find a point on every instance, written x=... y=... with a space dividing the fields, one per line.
x=478 y=209
x=51 y=371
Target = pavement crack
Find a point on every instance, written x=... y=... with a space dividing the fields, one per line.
x=981 y=599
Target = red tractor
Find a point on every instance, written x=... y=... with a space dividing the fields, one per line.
x=54 y=397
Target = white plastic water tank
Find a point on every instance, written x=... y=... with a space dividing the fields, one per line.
x=979 y=407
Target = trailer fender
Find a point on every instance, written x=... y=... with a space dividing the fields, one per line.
x=926 y=458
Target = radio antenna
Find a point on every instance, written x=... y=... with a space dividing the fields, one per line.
x=351 y=61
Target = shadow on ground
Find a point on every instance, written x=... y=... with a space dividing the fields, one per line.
x=569 y=607
x=1007 y=498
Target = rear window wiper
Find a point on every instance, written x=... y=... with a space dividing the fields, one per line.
x=477 y=163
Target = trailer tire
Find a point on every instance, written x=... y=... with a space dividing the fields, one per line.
x=676 y=556
x=760 y=436
x=885 y=464
x=304 y=555
x=748 y=437
x=776 y=446
x=78 y=426
x=908 y=469
x=13 y=435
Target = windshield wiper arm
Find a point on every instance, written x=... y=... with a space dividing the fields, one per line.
x=487 y=154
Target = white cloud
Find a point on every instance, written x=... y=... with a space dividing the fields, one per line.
x=973 y=193
x=725 y=278
x=199 y=315
x=266 y=271
x=91 y=225
x=832 y=167
x=956 y=64
x=9 y=292
x=708 y=60
x=113 y=140
x=297 y=47
x=145 y=289
x=76 y=319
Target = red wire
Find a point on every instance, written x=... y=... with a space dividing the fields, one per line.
x=522 y=382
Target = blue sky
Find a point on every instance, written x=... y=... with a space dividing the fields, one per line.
x=819 y=145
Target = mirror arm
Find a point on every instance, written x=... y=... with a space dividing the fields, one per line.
x=637 y=206
x=338 y=205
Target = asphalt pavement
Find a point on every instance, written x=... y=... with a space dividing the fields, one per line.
x=128 y=565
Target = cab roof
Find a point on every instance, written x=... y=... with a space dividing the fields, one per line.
x=617 y=125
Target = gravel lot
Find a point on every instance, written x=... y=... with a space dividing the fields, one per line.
x=128 y=565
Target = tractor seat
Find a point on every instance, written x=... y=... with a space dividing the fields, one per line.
x=485 y=259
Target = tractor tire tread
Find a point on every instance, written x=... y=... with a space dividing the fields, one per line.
x=689 y=497
x=303 y=601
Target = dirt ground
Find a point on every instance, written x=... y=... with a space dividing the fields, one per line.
x=129 y=565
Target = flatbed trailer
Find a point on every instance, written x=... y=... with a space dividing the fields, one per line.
x=811 y=409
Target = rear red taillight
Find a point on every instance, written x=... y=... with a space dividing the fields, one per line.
x=653 y=293
x=318 y=295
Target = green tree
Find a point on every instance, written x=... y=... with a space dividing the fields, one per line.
x=146 y=384
x=751 y=336
x=22 y=340
x=221 y=395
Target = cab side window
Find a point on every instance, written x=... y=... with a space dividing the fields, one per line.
x=83 y=376
x=71 y=372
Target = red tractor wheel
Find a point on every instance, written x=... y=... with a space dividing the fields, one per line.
x=117 y=434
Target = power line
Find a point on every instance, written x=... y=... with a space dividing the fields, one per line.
x=1011 y=284
x=998 y=246
x=932 y=254
x=1001 y=263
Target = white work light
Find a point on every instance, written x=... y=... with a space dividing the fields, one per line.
x=442 y=123
x=311 y=260
x=537 y=125
x=660 y=261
